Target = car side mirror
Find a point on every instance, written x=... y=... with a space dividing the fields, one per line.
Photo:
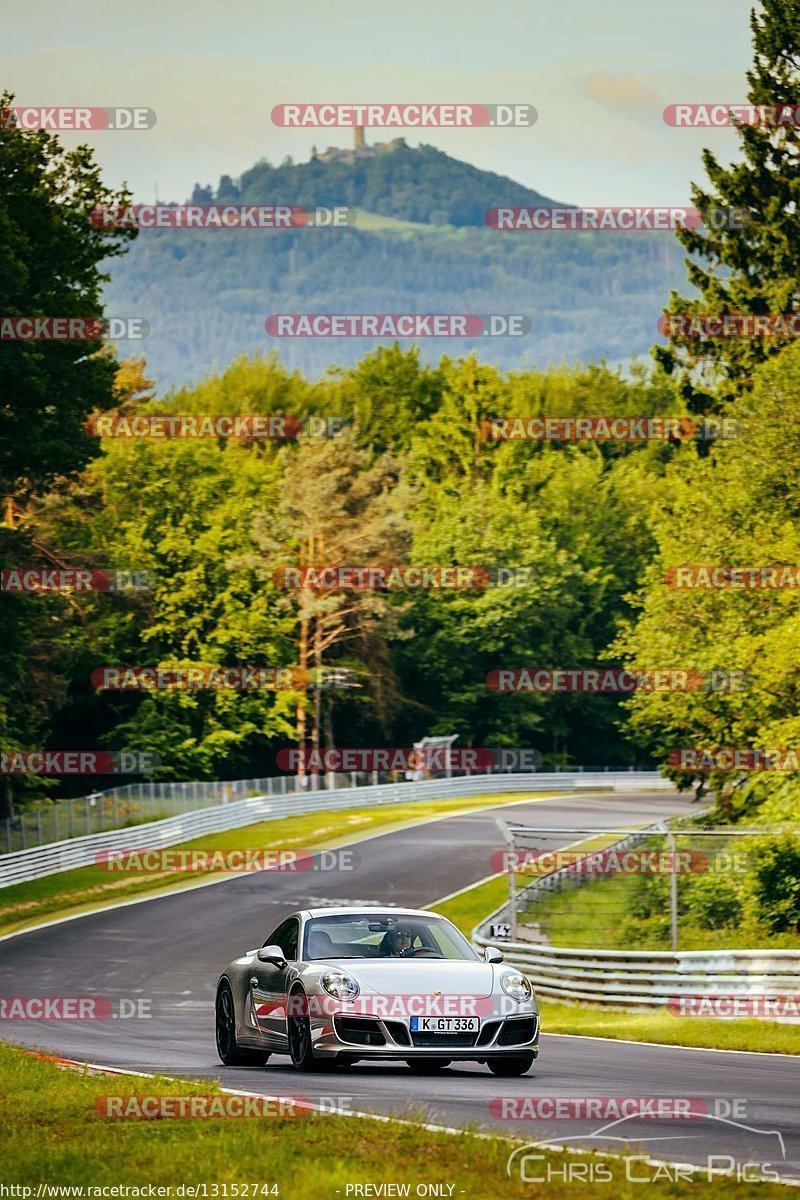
x=492 y=955
x=272 y=954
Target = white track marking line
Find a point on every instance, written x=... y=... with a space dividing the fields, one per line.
x=453 y=1130
x=590 y=1037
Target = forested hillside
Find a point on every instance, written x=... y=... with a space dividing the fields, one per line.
x=206 y=294
x=413 y=184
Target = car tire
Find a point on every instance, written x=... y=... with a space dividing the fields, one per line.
x=427 y=1066
x=228 y=1049
x=511 y=1066
x=298 y=1028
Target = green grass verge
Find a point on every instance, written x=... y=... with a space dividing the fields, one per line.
x=770 y=1037
x=52 y=1134
x=589 y=915
x=471 y=907
x=72 y=892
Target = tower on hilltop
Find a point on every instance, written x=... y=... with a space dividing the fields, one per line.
x=358 y=133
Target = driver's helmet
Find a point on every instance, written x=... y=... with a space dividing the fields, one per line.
x=397 y=941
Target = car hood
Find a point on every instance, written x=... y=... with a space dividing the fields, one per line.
x=400 y=976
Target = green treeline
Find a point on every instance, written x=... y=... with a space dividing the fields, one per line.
x=410 y=479
x=601 y=527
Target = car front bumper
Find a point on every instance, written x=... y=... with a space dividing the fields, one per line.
x=378 y=1038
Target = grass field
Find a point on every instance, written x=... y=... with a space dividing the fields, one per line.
x=373 y=222
x=51 y=1133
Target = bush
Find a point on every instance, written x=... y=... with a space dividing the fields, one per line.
x=711 y=901
x=775 y=882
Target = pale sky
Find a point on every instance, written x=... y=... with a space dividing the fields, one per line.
x=600 y=76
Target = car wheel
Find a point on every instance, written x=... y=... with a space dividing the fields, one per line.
x=427 y=1066
x=299 y=1031
x=511 y=1066
x=228 y=1049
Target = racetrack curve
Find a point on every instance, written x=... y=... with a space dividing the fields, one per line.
x=171 y=949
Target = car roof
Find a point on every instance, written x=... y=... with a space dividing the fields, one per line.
x=358 y=909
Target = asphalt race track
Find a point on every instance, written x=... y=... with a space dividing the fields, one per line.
x=171 y=950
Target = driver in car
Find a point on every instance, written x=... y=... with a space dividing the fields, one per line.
x=396 y=943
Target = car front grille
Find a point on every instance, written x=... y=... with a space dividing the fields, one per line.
x=360 y=1031
x=516 y=1030
x=487 y=1033
x=399 y=1032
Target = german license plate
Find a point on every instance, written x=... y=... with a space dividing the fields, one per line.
x=445 y=1024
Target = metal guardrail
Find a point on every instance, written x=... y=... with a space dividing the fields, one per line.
x=23 y=865
x=636 y=979
x=130 y=804
x=649 y=978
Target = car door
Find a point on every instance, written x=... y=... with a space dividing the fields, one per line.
x=268 y=984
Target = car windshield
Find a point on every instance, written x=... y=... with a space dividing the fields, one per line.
x=384 y=935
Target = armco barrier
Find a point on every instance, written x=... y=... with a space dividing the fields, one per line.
x=638 y=978
x=649 y=978
x=23 y=865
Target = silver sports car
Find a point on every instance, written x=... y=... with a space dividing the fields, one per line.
x=336 y=985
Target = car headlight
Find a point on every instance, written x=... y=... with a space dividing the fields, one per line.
x=516 y=986
x=340 y=985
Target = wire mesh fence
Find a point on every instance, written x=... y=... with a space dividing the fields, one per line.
x=137 y=803
x=120 y=808
x=655 y=887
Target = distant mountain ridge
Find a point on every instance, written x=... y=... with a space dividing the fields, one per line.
x=396 y=180
x=420 y=245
